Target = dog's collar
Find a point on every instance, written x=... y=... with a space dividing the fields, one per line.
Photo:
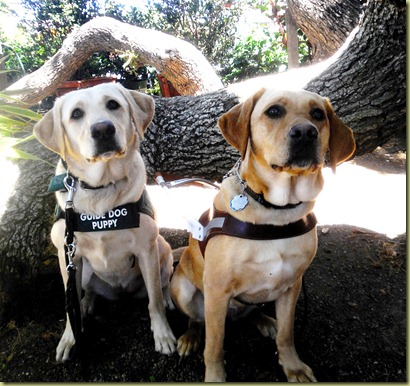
x=83 y=184
x=57 y=182
x=261 y=200
x=256 y=196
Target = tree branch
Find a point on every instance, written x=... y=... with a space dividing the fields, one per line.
x=179 y=61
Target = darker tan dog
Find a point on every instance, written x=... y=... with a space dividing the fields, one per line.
x=95 y=131
x=282 y=138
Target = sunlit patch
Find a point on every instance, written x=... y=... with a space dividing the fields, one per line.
x=355 y=196
x=365 y=198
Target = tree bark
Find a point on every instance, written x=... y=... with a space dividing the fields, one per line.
x=366 y=84
x=3 y=73
x=184 y=139
x=326 y=23
x=292 y=41
x=179 y=61
x=25 y=235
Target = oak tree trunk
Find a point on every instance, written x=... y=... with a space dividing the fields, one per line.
x=325 y=23
x=367 y=84
x=292 y=41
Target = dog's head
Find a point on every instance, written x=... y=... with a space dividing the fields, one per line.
x=94 y=124
x=288 y=131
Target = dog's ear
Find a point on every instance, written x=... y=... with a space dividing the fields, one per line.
x=235 y=124
x=142 y=108
x=341 y=142
x=50 y=132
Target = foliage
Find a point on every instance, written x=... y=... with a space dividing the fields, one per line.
x=264 y=49
x=16 y=125
x=47 y=24
x=209 y=25
x=255 y=56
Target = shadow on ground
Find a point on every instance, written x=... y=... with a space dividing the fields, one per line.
x=350 y=327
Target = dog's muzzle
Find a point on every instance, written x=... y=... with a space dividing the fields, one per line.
x=303 y=140
x=103 y=134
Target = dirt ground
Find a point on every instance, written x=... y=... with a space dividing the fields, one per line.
x=350 y=323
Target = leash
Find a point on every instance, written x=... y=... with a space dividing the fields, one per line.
x=70 y=243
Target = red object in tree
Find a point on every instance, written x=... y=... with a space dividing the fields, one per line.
x=72 y=85
x=167 y=89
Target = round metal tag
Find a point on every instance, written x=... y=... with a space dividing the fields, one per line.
x=239 y=202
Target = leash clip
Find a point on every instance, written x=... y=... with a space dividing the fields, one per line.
x=70 y=252
x=69 y=183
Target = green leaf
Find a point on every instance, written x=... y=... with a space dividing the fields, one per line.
x=9 y=122
x=12 y=152
x=21 y=112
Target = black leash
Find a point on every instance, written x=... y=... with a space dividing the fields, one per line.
x=71 y=296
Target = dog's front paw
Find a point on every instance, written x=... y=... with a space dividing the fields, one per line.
x=164 y=338
x=215 y=373
x=301 y=373
x=65 y=345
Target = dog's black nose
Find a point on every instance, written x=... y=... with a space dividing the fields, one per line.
x=103 y=130
x=303 y=145
x=303 y=132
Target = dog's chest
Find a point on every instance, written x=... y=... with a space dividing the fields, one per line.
x=112 y=254
x=270 y=281
x=266 y=269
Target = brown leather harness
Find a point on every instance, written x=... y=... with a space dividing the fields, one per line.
x=222 y=223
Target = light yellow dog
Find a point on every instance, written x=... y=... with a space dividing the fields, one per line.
x=95 y=131
x=268 y=237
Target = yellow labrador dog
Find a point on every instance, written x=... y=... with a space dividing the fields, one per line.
x=261 y=231
x=95 y=131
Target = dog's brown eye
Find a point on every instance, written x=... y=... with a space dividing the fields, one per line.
x=275 y=111
x=318 y=114
x=77 y=114
x=112 y=105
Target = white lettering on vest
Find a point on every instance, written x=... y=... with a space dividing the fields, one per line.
x=104 y=224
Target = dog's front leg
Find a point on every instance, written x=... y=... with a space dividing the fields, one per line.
x=216 y=306
x=163 y=336
x=294 y=368
x=67 y=340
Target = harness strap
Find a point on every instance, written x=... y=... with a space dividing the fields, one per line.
x=223 y=223
x=73 y=308
x=72 y=302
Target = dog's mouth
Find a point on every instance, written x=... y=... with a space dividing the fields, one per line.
x=300 y=164
x=107 y=154
x=297 y=170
